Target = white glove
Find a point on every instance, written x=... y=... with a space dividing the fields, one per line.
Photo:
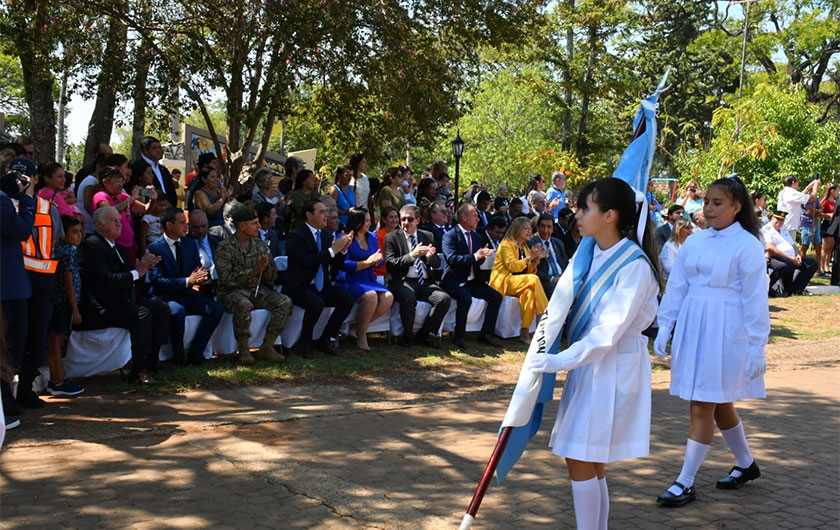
x=756 y=365
x=543 y=363
x=660 y=344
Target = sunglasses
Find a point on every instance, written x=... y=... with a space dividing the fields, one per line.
x=407 y=219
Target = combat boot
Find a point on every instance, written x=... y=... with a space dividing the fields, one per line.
x=245 y=357
x=267 y=352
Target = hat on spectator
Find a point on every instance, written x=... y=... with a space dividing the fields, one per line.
x=779 y=214
x=24 y=166
x=241 y=213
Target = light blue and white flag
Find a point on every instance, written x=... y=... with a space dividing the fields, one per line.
x=533 y=391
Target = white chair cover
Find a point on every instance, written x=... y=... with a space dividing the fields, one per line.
x=223 y=340
x=291 y=332
x=379 y=325
x=190 y=327
x=509 y=322
x=420 y=316
x=475 y=318
x=96 y=351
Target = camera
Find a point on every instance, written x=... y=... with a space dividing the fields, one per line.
x=14 y=183
x=145 y=192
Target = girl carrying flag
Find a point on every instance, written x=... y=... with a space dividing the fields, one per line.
x=716 y=305
x=604 y=412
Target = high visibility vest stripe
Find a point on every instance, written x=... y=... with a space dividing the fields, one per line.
x=38 y=258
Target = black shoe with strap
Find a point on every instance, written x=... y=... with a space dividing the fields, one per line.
x=669 y=500
x=733 y=483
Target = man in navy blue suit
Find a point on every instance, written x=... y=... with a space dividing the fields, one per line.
x=463 y=255
x=174 y=279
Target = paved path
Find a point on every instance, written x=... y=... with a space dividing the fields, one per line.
x=388 y=453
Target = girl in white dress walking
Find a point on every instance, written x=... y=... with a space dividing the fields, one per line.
x=716 y=304
x=604 y=412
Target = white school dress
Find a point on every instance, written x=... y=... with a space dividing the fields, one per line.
x=604 y=412
x=717 y=297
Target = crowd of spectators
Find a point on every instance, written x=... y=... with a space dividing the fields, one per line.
x=111 y=247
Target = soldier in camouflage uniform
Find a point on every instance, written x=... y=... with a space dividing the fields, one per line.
x=246 y=276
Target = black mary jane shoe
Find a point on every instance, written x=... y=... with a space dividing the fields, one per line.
x=733 y=483
x=669 y=500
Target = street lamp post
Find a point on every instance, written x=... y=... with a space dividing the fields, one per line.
x=457 y=151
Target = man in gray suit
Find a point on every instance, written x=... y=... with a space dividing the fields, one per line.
x=549 y=269
x=410 y=256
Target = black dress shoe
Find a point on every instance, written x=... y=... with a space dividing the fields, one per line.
x=490 y=339
x=145 y=379
x=305 y=350
x=326 y=346
x=405 y=341
x=460 y=344
x=29 y=399
x=431 y=342
x=669 y=500
x=733 y=483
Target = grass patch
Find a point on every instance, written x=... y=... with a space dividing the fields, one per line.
x=804 y=318
x=223 y=371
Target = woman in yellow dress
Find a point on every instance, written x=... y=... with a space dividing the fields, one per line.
x=514 y=273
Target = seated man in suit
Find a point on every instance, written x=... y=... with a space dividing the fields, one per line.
x=313 y=255
x=482 y=206
x=438 y=226
x=180 y=271
x=675 y=211
x=246 y=282
x=549 y=269
x=207 y=244
x=463 y=254
x=410 y=255
x=107 y=301
x=267 y=215
x=492 y=236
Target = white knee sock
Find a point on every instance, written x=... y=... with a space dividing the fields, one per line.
x=587 y=497
x=695 y=452
x=605 y=504
x=740 y=448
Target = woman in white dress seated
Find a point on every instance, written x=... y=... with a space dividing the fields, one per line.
x=682 y=229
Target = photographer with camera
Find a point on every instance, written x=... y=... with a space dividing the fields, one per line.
x=17 y=216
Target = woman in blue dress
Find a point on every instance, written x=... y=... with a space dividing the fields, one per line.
x=341 y=191
x=357 y=275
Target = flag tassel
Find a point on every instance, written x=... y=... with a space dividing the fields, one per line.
x=486 y=477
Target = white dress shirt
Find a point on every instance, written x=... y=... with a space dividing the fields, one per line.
x=156 y=171
x=781 y=240
x=791 y=201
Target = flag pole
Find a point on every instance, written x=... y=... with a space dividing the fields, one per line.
x=486 y=477
x=504 y=434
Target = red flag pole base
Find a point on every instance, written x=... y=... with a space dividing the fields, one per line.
x=486 y=477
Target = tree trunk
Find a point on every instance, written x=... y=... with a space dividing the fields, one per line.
x=102 y=120
x=582 y=145
x=62 y=107
x=38 y=84
x=570 y=54
x=140 y=96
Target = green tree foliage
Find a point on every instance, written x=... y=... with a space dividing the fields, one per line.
x=779 y=135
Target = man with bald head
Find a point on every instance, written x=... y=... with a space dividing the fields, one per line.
x=107 y=299
x=207 y=242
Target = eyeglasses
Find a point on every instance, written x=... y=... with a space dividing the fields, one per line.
x=407 y=219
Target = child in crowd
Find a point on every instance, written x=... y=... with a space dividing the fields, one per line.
x=65 y=301
x=150 y=227
x=70 y=198
x=716 y=305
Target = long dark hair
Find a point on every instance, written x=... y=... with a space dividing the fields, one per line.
x=734 y=187
x=301 y=177
x=615 y=194
x=45 y=171
x=355 y=220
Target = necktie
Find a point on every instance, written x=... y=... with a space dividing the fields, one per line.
x=469 y=241
x=179 y=257
x=119 y=256
x=319 y=276
x=551 y=262
x=418 y=265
